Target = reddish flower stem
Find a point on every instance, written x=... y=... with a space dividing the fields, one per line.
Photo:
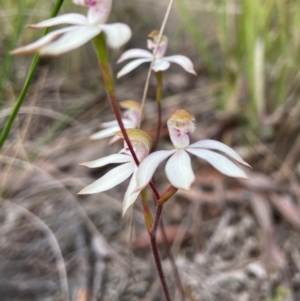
x=155 y=252
x=101 y=50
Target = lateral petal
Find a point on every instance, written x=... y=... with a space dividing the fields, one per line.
x=114 y=177
x=131 y=66
x=179 y=170
x=131 y=193
x=72 y=18
x=117 y=34
x=148 y=166
x=182 y=61
x=217 y=145
x=115 y=122
x=71 y=40
x=160 y=65
x=42 y=42
x=111 y=159
x=221 y=163
x=105 y=133
x=113 y=140
x=135 y=53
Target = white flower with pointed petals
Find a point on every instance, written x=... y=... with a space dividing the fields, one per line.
x=178 y=168
x=161 y=62
x=82 y=29
x=141 y=143
x=132 y=118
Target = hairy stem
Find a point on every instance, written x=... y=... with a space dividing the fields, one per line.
x=159 y=89
x=15 y=111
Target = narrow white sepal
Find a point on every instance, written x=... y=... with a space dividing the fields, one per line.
x=105 y=133
x=42 y=42
x=220 y=162
x=115 y=122
x=80 y=2
x=182 y=61
x=114 y=139
x=160 y=65
x=219 y=146
x=72 y=18
x=131 y=193
x=111 y=179
x=179 y=170
x=111 y=159
x=148 y=166
x=131 y=66
x=117 y=34
x=71 y=40
x=134 y=53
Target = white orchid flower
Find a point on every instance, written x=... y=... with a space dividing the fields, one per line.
x=132 y=117
x=161 y=62
x=82 y=29
x=178 y=168
x=141 y=143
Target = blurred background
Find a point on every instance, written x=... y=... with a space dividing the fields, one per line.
x=231 y=239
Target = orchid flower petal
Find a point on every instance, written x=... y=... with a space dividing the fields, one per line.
x=111 y=179
x=160 y=65
x=99 y=11
x=219 y=146
x=182 y=61
x=72 y=18
x=148 y=166
x=113 y=140
x=134 y=53
x=105 y=133
x=42 y=42
x=179 y=170
x=132 y=65
x=131 y=192
x=71 y=40
x=111 y=159
x=115 y=122
x=117 y=34
x=221 y=163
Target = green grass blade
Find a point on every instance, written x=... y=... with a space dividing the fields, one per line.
x=12 y=117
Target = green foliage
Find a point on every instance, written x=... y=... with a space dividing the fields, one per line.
x=280 y=294
x=18 y=104
x=259 y=44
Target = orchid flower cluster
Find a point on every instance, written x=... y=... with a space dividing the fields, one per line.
x=137 y=160
x=180 y=125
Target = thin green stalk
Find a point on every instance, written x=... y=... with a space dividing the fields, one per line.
x=146 y=210
x=12 y=117
x=159 y=93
